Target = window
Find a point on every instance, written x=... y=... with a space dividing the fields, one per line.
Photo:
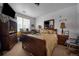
x=19 y=23
x=23 y=23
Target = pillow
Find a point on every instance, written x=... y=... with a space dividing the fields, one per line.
x=46 y=31
x=50 y=31
x=43 y=31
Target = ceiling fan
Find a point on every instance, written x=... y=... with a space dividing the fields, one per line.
x=37 y=4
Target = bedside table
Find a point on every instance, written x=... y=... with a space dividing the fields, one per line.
x=62 y=39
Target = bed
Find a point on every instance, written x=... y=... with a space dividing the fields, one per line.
x=39 y=44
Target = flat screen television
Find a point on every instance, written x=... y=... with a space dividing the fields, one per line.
x=7 y=10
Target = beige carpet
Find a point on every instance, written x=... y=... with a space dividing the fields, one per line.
x=61 y=51
x=17 y=50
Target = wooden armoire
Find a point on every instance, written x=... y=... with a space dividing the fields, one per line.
x=8 y=34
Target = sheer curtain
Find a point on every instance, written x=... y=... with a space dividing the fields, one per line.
x=23 y=23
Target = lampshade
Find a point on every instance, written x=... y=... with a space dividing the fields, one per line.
x=62 y=25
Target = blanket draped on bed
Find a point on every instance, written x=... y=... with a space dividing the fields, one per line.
x=51 y=42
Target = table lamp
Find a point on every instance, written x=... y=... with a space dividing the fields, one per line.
x=62 y=26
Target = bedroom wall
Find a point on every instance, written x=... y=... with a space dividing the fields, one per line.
x=78 y=18
x=69 y=13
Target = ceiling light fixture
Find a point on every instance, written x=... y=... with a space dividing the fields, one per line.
x=37 y=4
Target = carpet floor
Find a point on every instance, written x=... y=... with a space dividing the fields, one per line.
x=17 y=50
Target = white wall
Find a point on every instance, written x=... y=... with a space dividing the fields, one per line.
x=78 y=18
x=69 y=13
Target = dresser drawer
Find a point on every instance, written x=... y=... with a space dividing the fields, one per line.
x=62 y=39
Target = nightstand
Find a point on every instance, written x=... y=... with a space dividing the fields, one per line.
x=62 y=39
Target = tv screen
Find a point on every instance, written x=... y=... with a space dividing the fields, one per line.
x=7 y=10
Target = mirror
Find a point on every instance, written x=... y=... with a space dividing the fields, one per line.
x=49 y=24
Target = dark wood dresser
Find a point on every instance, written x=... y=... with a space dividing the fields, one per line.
x=62 y=39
